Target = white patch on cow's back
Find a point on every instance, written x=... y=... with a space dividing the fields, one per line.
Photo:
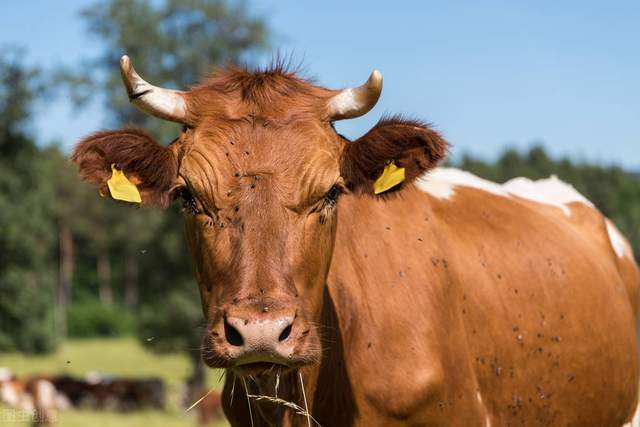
x=619 y=243
x=550 y=191
x=442 y=182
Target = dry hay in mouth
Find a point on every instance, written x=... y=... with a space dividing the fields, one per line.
x=298 y=410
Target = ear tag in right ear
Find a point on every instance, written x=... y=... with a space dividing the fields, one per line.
x=121 y=188
x=391 y=176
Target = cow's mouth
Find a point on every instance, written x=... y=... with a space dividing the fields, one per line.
x=261 y=368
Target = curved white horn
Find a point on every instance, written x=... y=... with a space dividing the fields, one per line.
x=162 y=103
x=357 y=101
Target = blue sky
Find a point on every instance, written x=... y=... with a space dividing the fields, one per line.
x=488 y=74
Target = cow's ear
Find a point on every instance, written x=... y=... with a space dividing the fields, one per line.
x=151 y=167
x=408 y=144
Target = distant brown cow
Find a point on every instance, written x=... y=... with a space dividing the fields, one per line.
x=446 y=300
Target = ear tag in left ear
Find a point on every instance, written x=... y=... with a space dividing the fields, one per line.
x=121 y=188
x=391 y=176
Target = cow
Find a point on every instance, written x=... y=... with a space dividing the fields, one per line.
x=435 y=298
x=36 y=398
x=99 y=391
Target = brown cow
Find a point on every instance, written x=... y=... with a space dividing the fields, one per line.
x=446 y=300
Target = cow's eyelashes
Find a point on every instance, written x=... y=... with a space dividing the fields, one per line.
x=327 y=202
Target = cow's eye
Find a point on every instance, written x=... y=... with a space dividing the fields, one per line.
x=332 y=194
x=189 y=203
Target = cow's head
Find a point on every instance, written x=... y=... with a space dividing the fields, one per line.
x=260 y=170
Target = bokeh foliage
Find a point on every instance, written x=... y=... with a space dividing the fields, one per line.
x=27 y=218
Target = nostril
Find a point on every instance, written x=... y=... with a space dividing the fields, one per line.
x=232 y=335
x=285 y=333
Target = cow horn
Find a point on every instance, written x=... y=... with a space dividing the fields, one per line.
x=357 y=101
x=163 y=103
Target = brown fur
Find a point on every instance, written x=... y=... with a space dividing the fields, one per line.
x=258 y=86
x=275 y=92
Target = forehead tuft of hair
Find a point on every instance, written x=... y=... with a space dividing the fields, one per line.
x=260 y=85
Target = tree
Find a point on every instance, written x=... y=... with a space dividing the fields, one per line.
x=27 y=267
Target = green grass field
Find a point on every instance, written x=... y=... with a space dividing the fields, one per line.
x=120 y=357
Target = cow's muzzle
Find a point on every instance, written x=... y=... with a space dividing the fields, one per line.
x=251 y=343
x=260 y=340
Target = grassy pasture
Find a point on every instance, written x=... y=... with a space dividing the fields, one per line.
x=119 y=357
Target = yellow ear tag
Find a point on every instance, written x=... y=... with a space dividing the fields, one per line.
x=121 y=188
x=391 y=176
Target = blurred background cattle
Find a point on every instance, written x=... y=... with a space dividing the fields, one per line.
x=40 y=398
x=87 y=286
x=99 y=392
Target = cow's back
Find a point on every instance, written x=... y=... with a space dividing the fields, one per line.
x=468 y=305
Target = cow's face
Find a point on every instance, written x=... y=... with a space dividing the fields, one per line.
x=261 y=207
x=260 y=171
